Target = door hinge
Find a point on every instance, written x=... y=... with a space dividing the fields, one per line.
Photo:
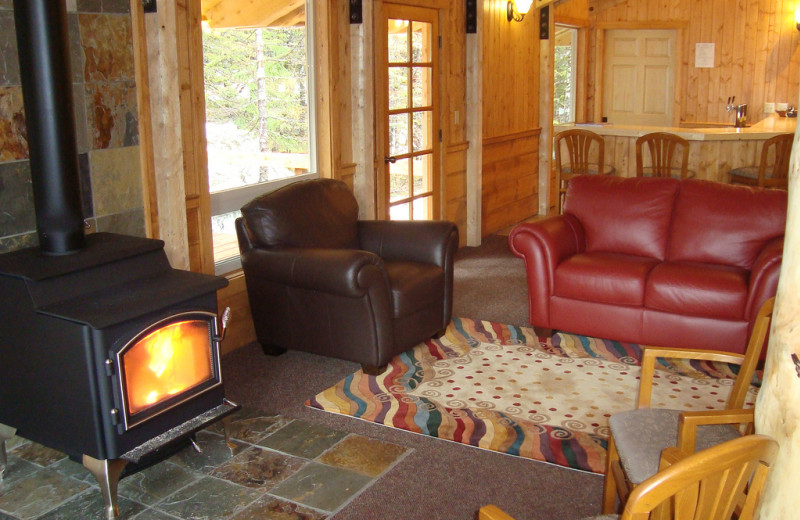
x=440 y=135
x=149 y=6
x=440 y=41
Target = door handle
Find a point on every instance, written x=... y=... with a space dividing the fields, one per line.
x=390 y=159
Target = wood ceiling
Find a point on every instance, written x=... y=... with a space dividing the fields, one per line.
x=220 y=14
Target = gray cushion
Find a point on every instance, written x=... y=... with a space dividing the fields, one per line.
x=746 y=171
x=640 y=435
x=602 y=517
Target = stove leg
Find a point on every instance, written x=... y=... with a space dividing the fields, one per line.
x=6 y=434
x=226 y=426
x=107 y=473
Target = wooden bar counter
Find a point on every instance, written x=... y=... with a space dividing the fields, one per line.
x=714 y=149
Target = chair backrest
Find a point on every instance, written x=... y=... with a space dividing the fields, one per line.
x=578 y=143
x=662 y=147
x=755 y=345
x=714 y=483
x=320 y=213
x=775 y=174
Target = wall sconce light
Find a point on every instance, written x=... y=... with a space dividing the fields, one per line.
x=517 y=9
x=797 y=18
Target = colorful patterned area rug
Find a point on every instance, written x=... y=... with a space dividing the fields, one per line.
x=498 y=387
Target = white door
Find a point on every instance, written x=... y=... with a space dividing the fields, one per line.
x=639 y=78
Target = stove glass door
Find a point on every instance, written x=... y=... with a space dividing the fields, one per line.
x=166 y=364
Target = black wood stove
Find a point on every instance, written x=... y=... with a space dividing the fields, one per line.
x=107 y=353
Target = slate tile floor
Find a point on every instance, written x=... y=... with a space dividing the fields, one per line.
x=278 y=468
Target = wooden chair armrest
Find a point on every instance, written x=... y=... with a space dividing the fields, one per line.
x=689 y=421
x=650 y=354
x=492 y=512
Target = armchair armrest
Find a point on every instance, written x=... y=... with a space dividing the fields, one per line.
x=543 y=245
x=650 y=354
x=344 y=272
x=492 y=512
x=689 y=421
x=426 y=241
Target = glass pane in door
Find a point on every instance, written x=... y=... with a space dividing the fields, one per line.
x=399 y=177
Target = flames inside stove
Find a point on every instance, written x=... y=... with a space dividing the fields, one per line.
x=166 y=364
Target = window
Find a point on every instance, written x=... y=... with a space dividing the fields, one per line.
x=565 y=68
x=259 y=118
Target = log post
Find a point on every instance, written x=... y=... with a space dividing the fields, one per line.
x=778 y=405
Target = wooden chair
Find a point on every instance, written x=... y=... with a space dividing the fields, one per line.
x=723 y=482
x=638 y=436
x=579 y=145
x=663 y=148
x=773 y=170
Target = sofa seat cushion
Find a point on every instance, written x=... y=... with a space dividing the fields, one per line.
x=414 y=285
x=712 y=291
x=603 y=278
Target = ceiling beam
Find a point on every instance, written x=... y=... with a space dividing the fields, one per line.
x=252 y=13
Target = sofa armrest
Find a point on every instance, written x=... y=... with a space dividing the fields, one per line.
x=343 y=272
x=764 y=278
x=426 y=241
x=543 y=245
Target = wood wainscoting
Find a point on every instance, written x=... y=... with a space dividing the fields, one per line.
x=510 y=184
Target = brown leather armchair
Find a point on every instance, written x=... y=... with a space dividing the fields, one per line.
x=319 y=280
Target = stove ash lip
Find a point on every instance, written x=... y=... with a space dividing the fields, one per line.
x=45 y=74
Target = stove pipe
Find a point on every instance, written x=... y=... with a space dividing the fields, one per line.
x=43 y=48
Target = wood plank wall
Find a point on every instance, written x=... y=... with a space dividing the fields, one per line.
x=453 y=89
x=757 y=57
x=510 y=118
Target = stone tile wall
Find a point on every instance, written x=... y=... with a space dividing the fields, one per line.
x=104 y=88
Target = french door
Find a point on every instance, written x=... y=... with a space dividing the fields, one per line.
x=408 y=112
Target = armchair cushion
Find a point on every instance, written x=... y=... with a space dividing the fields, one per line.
x=320 y=213
x=414 y=285
x=642 y=434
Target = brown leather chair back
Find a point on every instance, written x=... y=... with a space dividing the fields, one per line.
x=321 y=213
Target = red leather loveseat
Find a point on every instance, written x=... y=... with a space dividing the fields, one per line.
x=654 y=261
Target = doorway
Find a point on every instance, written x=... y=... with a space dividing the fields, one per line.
x=408 y=113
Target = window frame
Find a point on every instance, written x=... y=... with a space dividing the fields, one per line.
x=573 y=80
x=232 y=199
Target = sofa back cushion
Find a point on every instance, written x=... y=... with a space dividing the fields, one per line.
x=623 y=215
x=723 y=224
x=320 y=213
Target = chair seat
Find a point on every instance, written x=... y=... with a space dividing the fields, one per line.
x=414 y=286
x=642 y=434
x=751 y=172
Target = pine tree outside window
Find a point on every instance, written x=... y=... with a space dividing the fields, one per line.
x=259 y=115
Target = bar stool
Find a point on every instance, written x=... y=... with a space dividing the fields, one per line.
x=664 y=148
x=578 y=144
x=773 y=171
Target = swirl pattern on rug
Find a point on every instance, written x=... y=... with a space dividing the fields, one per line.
x=498 y=387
